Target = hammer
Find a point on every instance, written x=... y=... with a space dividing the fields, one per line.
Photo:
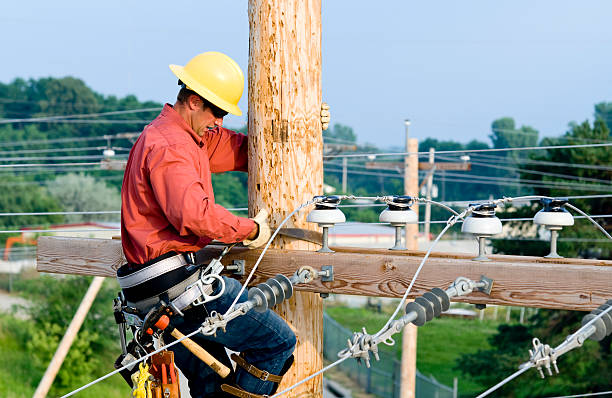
x=159 y=318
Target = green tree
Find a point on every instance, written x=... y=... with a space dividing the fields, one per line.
x=79 y=192
x=341 y=133
x=603 y=111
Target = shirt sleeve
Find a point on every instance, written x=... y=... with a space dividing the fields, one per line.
x=181 y=195
x=227 y=150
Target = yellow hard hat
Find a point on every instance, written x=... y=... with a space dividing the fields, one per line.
x=214 y=76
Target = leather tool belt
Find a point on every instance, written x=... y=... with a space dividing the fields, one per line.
x=168 y=277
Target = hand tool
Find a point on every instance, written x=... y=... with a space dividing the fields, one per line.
x=158 y=319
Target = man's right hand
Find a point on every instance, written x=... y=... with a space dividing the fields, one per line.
x=261 y=234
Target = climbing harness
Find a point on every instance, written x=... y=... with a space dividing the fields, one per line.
x=179 y=279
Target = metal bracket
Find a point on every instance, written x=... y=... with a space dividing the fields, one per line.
x=488 y=285
x=327 y=273
x=237 y=267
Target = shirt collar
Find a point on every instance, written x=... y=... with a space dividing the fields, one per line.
x=174 y=117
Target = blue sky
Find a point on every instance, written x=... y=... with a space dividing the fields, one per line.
x=451 y=67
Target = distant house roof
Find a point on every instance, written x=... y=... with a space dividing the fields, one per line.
x=361 y=229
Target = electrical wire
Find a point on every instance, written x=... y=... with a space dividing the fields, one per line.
x=299 y=383
x=542 y=173
x=589 y=218
x=133 y=363
x=592 y=394
x=528 y=148
x=504 y=159
x=504 y=381
x=79 y=115
x=106 y=137
x=248 y=279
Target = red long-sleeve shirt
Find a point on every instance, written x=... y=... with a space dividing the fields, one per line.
x=167 y=200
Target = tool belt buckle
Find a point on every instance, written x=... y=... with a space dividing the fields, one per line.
x=264 y=376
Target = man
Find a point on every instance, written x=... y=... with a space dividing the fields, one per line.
x=169 y=210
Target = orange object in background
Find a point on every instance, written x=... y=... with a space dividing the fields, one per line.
x=16 y=239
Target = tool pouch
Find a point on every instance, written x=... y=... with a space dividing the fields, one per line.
x=166 y=376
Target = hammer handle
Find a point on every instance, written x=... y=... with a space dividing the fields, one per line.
x=201 y=353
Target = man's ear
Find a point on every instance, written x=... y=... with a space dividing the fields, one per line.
x=193 y=102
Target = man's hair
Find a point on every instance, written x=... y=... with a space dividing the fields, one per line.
x=185 y=93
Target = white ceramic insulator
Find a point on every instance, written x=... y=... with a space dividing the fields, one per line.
x=398 y=216
x=553 y=218
x=326 y=216
x=482 y=226
x=109 y=153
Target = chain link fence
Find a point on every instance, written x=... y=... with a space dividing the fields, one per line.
x=383 y=377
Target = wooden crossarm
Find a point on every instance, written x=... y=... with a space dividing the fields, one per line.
x=566 y=283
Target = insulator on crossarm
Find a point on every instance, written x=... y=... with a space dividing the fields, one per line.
x=603 y=325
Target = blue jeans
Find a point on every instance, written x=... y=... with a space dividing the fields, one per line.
x=264 y=339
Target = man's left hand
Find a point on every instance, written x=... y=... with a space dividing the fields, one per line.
x=263 y=235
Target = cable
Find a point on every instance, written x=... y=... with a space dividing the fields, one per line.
x=515 y=169
x=162 y=348
x=528 y=148
x=543 y=162
x=55 y=150
x=59 y=230
x=286 y=390
x=53 y=213
x=451 y=221
x=248 y=279
x=589 y=218
x=105 y=137
x=504 y=381
x=80 y=115
x=585 y=395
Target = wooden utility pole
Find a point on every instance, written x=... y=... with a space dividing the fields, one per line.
x=409 y=334
x=286 y=149
x=69 y=336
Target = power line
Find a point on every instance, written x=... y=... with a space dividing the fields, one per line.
x=54 y=150
x=544 y=162
x=75 y=157
x=105 y=137
x=81 y=115
x=527 y=171
x=529 y=148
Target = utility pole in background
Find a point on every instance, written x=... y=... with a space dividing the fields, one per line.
x=409 y=334
x=344 y=174
x=432 y=155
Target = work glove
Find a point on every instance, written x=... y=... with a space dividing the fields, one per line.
x=325 y=116
x=264 y=231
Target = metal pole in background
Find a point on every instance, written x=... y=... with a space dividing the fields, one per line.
x=432 y=155
x=344 y=173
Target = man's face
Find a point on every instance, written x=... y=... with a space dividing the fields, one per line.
x=203 y=119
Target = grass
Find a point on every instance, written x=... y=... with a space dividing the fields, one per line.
x=440 y=342
x=20 y=377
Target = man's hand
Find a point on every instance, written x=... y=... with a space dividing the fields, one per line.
x=261 y=234
x=325 y=116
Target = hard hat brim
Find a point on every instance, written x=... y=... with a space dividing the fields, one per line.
x=179 y=71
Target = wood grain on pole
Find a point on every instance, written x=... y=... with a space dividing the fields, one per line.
x=69 y=336
x=286 y=149
x=409 y=333
x=561 y=283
